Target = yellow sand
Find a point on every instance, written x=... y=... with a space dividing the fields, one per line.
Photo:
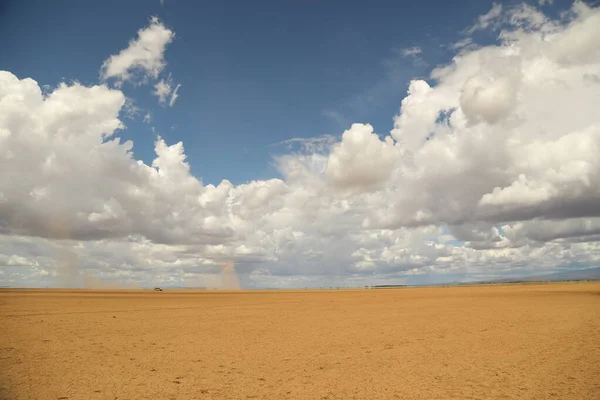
x=486 y=342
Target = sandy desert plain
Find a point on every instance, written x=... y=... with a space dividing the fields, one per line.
x=469 y=342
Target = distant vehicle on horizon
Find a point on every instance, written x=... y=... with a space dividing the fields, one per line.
x=157 y=289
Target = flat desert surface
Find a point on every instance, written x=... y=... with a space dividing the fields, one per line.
x=477 y=342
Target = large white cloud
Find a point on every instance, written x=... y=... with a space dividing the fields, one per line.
x=67 y=175
x=509 y=132
x=492 y=168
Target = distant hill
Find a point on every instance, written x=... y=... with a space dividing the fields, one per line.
x=386 y=286
x=590 y=274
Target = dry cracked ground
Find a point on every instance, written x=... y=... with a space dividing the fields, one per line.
x=477 y=342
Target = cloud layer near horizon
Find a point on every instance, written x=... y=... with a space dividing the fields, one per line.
x=492 y=167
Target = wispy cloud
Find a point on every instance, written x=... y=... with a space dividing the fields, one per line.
x=463 y=43
x=318 y=144
x=336 y=116
x=398 y=68
x=487 y=20
x=174 y=95
x=163 y=89
x=411 y=51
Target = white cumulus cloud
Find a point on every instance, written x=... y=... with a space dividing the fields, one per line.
x=492 y=168
x=143 y=56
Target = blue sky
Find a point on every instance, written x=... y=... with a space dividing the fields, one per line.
x=252 y=73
